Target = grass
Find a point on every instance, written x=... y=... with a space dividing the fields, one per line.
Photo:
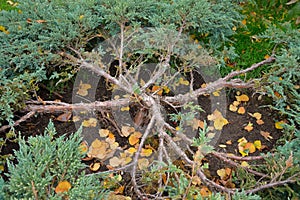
x=250 y=49
x=4 y=5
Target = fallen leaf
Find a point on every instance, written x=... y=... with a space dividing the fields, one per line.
x=95 y=166
x=232 y=108
x=257 y=144
x=279 y=125
x=216 y=93
x=242 y=97
x=183 y=82
x=222 y=173
x=143 y=163
x=83 y=89
x=104 y=132
x=115 y=161
x=146 y=152
x=241 y=110
x=92 y=122
x=63 y=186
x=222 y=145
x=205 y=192
x=236 y=103
x=127 y=130
x=134 y=138
x=131 y=150
x=98 y=149
x=266 y=135
x=245 y=164
x=260 y=122
x=64 y=117
x=244 y=22
x=196 y=123
x=266 y=57
x=250 y=146
x=219 y=120
x=289 y=161
x=83 y=147
x=228 y=142
x=125 y=108
x=249 y=127
x=256 y=115
x=75 y=118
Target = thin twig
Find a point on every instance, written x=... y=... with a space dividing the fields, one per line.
x=22 y=119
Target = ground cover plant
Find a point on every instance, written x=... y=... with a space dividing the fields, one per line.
x=172 y=99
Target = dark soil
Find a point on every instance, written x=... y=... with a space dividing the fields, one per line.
x=232 y=131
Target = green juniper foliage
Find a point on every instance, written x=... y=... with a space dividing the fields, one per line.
x=44 y=161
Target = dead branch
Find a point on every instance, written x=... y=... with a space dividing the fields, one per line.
x=22 y=119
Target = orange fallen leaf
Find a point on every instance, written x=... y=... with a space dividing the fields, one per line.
x=260 y=122
x=241 y=110
x=134 y=138
x=205 y=192
x=244 y=21
x=229 y=142
x=250 y=146
x=256 y=115
x=63 y=186
x=249 y=127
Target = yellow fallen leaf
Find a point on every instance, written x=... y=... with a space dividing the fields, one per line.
x=222 y=173
x=216 y=93
x=75 y=118
x=183 y=82
x=257 y=144
x=205 y=192
x=95 y=166
x=125 y=108
x=245 y=164
x=232 y=108
x=266 y=56
x=146 y=152
x=220 y=122
x=236 y=103
x=228 y=142
x=256 y=115
x=279 y=125
x=83 y=147
x=63 y=186
x=131 y=150
x=222 y=145
x=242 y=97
x=92 y=122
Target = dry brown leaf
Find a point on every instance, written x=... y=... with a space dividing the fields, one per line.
x=115 y=161
x=64 y=117
x=266 y=135
x=127 y=130
x=104 y=132
x=98 y=149
x=83 y=89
